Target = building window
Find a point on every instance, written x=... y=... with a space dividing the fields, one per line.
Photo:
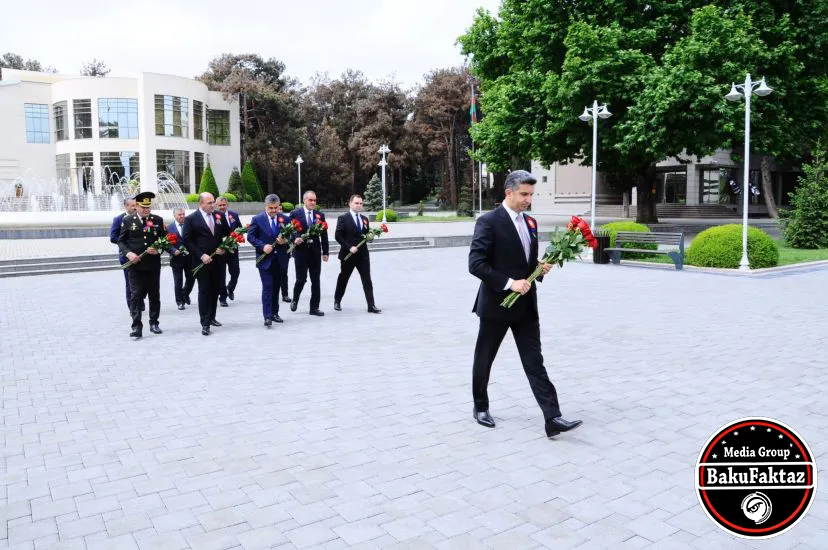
x=198 y=120
x=118 y=166
x=85 y=172
x=118 y=118
x=82 y=111
x=62 y=167
x=218 y=127
x=199 y=168
x=37 y=123
x=59 y=110
x=177 y=164
x=172 y=116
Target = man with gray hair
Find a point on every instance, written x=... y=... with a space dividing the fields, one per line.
x=264 y=234
x=183 y=280
x=504 y=252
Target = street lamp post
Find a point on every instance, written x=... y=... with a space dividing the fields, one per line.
x=383 y=150
x=761 y=89
x=593 y=113
x=299 y=162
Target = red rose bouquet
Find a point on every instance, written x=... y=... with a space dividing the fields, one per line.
x=563 y=247
x=287 y=230
x=161 y=244
x=314 y=231
x=370 y=235
x=230 y=243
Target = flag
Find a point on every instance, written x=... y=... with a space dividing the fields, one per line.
x=473 y=111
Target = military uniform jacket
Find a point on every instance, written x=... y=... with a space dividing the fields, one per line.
x=136 y=237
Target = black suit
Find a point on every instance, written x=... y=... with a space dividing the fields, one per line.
x=497 y=255
x=307 y=257
x=347 y=234
x=200 y=240
x=144 y=277
x=182 y=268
x=231 y=259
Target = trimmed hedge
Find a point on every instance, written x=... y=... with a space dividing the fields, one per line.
x=229 y=196
x=208 y=182
x=721 y=246
x=390 y=215
x=614 y=227
x=192 y=197
x=287 y=207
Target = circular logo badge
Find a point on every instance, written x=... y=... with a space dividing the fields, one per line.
x=756 y=478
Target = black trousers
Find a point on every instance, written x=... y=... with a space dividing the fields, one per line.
x=527 y=337
x=142 y=284
x=209 y=285
x=232 y=262
x=308 y=260
x=183 y=280
x=362 y=264
x=283 y=283
x=128 y=291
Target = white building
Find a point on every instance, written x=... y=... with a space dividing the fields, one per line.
x=84 y=129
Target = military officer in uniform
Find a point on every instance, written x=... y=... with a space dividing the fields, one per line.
x=138 y=232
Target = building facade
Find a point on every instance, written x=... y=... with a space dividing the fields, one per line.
x=87 y=132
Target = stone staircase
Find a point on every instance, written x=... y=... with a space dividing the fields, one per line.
x=101 y=262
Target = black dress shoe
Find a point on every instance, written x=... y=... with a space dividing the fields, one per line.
x=285 y=299
x=155 y=329
x=559 y=424
x=276 y=318
x=231 y=295
x=484 y=418
x=215 y=323
x=294 y=304
x=317 y=313
x=223 y=303
x=180 y=306
x=268 y=323
x=205 y=330
x=337 y=307
x=136 y=333
x=187 y=300
x=374 y=309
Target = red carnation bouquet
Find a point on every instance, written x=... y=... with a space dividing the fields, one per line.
x=370 y=235
x=314 y=231
x=287 y=230
x=161 y=244
x=563 y=247
x=228 y=244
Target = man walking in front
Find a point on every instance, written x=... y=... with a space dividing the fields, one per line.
x=114 y=233
x=504 y=252
x=351 y=227
x=263 y=234
x=309 y=255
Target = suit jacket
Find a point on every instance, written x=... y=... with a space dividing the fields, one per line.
x=200 y=240
x=260 y=233
x=313 y=244
x=347 y=234
x=136 y=237
x=233 y=221
x=115 y=232
x=180 y=260
x=496 y=255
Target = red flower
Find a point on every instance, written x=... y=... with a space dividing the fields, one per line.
x=318 y=216
x=231 y=218
x=297 y=224
x=280 y=219
x=384 y=228
x=150 y=224
x=325 y=226
x=172 y=238
x=530 y=222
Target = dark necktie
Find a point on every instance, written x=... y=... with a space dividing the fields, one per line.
x=273 y=226
x=309 y=220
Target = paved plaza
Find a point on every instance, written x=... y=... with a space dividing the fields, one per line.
x=355 y=430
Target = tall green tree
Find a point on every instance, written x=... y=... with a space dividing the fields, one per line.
x=250 y=183
x=663 y=67
x=11 y=60
x=373 y=194
x=234 y=184
x=208 y=182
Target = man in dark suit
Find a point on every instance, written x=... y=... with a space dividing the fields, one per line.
x=138 y=232
x=308 y=256
x=204 y=230
x=504 y=252
x=114 y=233
x=231 y=259
x=351 y=228
x=183 y=280
x=284 y=282
x=262 y=234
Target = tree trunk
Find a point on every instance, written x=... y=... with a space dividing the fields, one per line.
x=452 y=165
x=400 y=179
x=767 y=187
x=647 y=199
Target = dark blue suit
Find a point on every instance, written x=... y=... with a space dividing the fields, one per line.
x=114 y=233
x=181 y=265
x=273 y=268
x=307 y=257
x=231 y=259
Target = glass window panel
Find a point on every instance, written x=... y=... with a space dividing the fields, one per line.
x=37 y=123
x=59 y=110
x=198 y=120
x=85 y=173
x=172 y=116
x=82 y=116
x=62 y=166
x=118 y=118
x=177 y=164
x=199 y=167
x=218 y=127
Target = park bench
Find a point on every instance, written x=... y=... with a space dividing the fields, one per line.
x=635 y=237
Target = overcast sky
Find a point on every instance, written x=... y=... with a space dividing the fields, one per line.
x=401 y=39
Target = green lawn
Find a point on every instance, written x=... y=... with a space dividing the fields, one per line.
x=787 y=255
x=418 y=219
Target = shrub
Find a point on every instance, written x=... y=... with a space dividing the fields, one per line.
x=721 y=246
x=420 y=208
x=614 y=227
x=230 y=197
x=390 y=215
x=373 y=194
x=208 y=182
x=464 y=207
x=192 y=197
x=250 y=183
x=805 y=225
x=287 y=206
x=234 y=184
x=248 y=198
